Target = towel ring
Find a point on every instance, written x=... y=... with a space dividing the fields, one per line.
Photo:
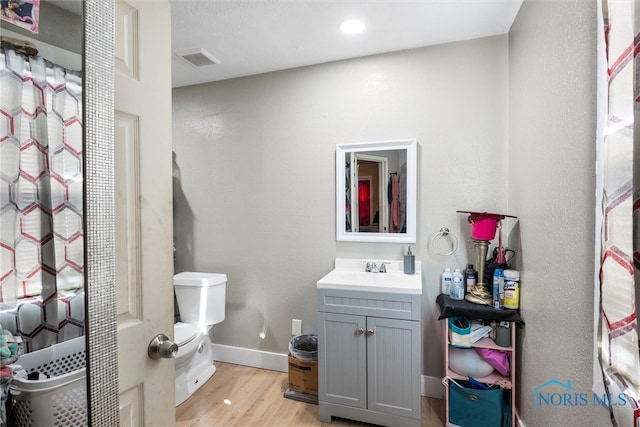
x=444 y=234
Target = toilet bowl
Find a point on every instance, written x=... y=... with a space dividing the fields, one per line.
x=194 y=361
x=201 y=302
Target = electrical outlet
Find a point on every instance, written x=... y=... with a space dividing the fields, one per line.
x=296 y=327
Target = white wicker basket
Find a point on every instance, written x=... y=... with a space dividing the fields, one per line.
x=61 y=399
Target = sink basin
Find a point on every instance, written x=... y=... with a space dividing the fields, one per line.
x=351 y=276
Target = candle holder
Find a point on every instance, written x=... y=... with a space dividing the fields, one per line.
x=481 y=292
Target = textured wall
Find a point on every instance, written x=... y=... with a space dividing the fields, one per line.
x=552 y=68
x=57 y=27
x=254 y=164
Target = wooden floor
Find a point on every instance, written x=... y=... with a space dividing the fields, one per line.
x=249 y=397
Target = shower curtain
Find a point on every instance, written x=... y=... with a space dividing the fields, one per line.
x=619 y=180
x=41 y=188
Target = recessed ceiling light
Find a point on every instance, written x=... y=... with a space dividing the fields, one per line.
x=352 y=26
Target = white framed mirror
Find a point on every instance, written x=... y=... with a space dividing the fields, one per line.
x=376 y=184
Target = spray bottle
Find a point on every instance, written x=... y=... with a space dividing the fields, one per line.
x=498 y=289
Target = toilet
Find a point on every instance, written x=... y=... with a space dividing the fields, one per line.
x=201 y=302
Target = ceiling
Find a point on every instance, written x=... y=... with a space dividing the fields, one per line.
x=257 y=36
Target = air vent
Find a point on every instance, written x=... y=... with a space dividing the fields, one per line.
x=198 y=57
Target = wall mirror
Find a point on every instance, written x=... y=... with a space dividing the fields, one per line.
x=376 y=191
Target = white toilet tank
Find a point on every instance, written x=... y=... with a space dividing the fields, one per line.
x=201 y=297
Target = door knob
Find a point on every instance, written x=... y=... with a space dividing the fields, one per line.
x=162 y=347
x=369 y=332
x=360 y=331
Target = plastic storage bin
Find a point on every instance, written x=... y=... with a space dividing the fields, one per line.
x=61 y=399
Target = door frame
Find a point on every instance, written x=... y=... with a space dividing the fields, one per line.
x=100 y=291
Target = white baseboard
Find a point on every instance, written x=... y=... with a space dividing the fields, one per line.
x=430 y=386
x=248 y=357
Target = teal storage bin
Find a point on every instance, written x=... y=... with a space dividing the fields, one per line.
x=459 y=332
x=470 y=407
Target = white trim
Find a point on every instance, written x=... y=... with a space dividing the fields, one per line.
x=430 y=386
x=249 y=357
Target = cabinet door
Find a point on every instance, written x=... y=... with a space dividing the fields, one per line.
x=393 y=351
x=342 y=359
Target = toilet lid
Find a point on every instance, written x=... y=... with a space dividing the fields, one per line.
x=184 y=332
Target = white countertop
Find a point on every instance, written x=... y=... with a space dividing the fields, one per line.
x=349 y=274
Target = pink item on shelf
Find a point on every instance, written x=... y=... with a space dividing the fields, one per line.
x=497 y=358
x=484 y=228
x=484 y=224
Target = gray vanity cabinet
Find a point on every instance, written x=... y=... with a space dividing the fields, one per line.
x=369 y=350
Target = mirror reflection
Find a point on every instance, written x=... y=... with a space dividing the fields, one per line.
x=376 y=185
x=378 y=202
x=42 y=255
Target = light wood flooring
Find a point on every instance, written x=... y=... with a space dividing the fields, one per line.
x=248 y=397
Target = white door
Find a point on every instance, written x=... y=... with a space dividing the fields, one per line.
x=382 y=179
x=144 y=217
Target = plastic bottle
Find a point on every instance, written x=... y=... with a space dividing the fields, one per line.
x=470 y=278
x=457 y=289
x=498 y=289
x=511 y=289
x=446 y=282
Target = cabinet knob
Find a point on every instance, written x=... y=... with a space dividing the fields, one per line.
x=369 y=332
x=360 y=331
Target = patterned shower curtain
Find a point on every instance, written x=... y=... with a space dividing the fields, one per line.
x=41 y=184
x=619 y=161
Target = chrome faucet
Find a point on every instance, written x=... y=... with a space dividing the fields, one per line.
x=372 y=267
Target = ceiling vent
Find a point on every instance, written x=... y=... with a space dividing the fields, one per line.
x=198 y=57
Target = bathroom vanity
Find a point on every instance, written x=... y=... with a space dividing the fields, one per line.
x=369 y=344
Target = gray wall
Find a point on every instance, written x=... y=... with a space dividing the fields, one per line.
x=57 y=27
x=254 y=193
x=552 y=122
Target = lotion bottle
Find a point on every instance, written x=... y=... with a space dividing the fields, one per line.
x=457 y=286
x=409 y=262
x=446 y=280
